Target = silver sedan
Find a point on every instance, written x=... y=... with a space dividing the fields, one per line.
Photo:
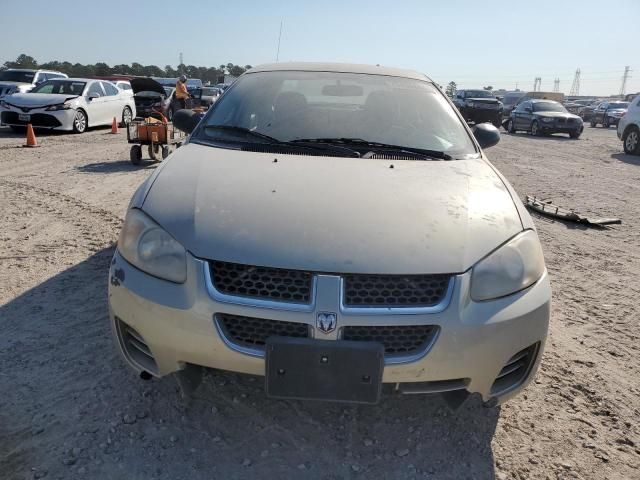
x=336 y=229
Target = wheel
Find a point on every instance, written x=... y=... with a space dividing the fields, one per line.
x=497 y=122
x=79 y=122
x=575 y=133
x=511 y=126
x=535 y=129
x=135 y=154
x=593 y=123
x=18 y=128
x=165 y=152
x=631 y=141
x=127 y=116
x=154 y=151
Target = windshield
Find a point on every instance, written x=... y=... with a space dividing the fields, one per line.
x=478 y=94
x=211 y=92
x=17 y=76
x=65 y=87
x=548 y=107
x=293 y=105
x=618 y=105
x=512 y=98
x=168 y=91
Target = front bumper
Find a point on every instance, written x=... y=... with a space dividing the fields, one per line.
x=474 y=343
x=39 y=118
x=479 y=115
x=561 y=127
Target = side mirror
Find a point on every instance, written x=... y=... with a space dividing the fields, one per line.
x=186 y=120
x=486 y=134
x=93 y=95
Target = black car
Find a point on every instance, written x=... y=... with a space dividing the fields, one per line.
x=608 y=113
x=479 y=106
x=542 y=117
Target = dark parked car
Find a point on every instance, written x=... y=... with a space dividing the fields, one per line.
x=608 y=113
x=152 y=98
x=585 y=113
x=510 y=101
x=541 y=117
x=479 y=106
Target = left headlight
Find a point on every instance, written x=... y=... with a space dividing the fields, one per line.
x=513 y=267
x=146 y=245
x=62 y=106
x=547 y=119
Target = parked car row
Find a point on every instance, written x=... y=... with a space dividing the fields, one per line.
x=19 y=80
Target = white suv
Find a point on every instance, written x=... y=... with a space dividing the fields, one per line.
x=21 y=80
x=629 y=128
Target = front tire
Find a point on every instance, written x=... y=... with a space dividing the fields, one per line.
x=575 y=134
x=605 y=122
x=535 y=129
x=631 y=141
x=135 y=154
x=127 y=116
x=80 y=122
x=511 y=126
x=593 y=123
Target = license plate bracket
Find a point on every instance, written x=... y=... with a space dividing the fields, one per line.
x=309 y=369
x=24 y=117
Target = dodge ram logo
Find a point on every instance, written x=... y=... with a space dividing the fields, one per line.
x=326 y=322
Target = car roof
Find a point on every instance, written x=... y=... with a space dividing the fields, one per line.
x=339 y=68
x=74 y=79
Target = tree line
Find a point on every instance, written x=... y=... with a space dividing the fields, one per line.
x=206 y=74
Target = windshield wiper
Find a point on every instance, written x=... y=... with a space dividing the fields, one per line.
x=377 y=146
x=236 y=128
x=275 y=141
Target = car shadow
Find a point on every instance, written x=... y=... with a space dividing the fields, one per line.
x=117 y=166
x=554 y=136
x=626 y=158
x=7 y=132
x=64 y=385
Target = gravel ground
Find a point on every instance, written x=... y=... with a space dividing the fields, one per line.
x=70 y=409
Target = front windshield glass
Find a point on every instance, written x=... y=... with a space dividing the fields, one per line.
x=511 y=99
x=548 y=107
x=295 y=105
x=168 y=91
x=17 y=76
x=65 y=87
x=618 y=105
x=478 y=94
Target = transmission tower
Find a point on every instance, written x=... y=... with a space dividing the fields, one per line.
x=575 y=86
x=536 y=84
x=556 y=85
x=625 y=77
x=181 y=62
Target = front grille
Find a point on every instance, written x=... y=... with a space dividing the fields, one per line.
x=394 y=290
x=515 y=370
x=398 y=340
x=266 y=283
x=253 y=332
x=37 y=120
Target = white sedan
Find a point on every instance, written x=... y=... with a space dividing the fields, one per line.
x=71 y=104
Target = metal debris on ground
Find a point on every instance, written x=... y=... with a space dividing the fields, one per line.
x=546 y=207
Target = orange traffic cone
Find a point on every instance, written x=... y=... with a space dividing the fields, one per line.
x=31 y=137
x=114 y=126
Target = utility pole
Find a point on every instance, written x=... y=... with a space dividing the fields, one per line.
x=537 y=84
x=279 y=38
x=625 y=77
x=556 y=85
x=180 y=59
x=575 y=86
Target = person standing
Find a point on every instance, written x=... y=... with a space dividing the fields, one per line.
x=181 y=95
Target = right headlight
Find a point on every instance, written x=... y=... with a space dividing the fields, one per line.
x=146 y=245
x=515 y=266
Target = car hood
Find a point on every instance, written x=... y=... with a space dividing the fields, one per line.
x=556 y=114
x=144 y=84
x=328 y=214
x=37 y=99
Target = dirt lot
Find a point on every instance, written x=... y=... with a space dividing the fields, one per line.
x=70 y=409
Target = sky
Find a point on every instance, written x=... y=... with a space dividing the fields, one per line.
x=499 y=43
